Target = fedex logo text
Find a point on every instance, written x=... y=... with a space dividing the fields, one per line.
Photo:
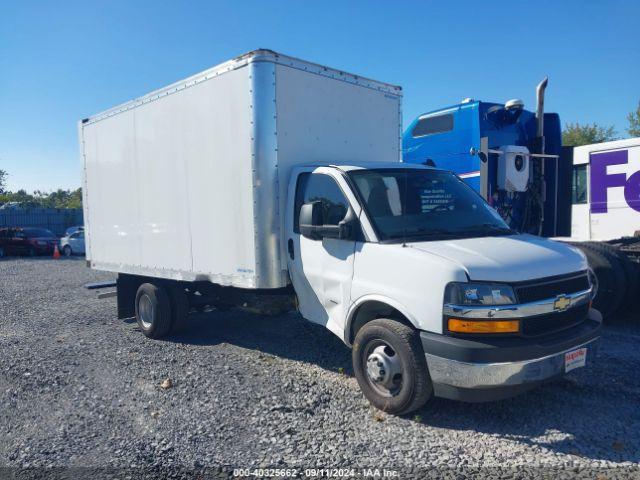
x=601 y=181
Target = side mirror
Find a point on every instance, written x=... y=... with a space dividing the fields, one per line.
x=311 y=220
x=311 y=225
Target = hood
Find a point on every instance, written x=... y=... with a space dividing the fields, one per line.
x=511 y=258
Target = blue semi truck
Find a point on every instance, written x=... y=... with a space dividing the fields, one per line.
x=510 y=155
x=514 y=158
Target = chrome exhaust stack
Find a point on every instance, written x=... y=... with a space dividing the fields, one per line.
x=542 y=194
x=542 y=86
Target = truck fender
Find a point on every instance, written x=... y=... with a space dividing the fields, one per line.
x=382 y=301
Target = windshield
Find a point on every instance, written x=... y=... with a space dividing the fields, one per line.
x=426 y=204
x=38 y=233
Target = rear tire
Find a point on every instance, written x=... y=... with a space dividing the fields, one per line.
x=153 y=310
x=390 y=366
x=619 y=285
x=629 y=272
x=1 y=252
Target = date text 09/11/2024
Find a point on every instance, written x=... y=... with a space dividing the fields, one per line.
x=316 y=473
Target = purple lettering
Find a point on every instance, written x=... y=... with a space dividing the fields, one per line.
x=601 y=181
x=632 y=191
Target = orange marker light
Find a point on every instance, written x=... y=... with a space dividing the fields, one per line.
x=483 y=326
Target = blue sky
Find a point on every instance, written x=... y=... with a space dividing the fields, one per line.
x=62 y=61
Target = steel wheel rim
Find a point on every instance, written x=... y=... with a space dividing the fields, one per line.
x=383 y=368
x=145 y=311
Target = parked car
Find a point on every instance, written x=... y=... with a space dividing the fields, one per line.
x=10 y=206
x=73 y=244
x=26 y=241
x=72 y=230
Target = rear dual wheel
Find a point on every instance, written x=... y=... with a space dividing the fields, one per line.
x=390 y=366
x=626 y=273
x=161 y=309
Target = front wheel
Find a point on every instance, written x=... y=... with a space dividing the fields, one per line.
x=66 y=251
x=390 y=366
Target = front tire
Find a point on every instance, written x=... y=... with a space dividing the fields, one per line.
x=153 y=310
x=66 y=251
x=390 y=366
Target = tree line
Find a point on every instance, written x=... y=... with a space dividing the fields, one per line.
x=58 y=199
x=575 y=134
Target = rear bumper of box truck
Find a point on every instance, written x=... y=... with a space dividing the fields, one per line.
x=483 y=370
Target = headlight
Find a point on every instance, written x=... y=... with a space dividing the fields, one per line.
x=479 y=294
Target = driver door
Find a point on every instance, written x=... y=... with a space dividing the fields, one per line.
x=321 y=270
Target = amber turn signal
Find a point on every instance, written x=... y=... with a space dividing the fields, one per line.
x=483 y=326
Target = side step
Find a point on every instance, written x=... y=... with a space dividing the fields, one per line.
x=96 y=285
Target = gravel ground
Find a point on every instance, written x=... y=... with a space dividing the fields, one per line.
x=79 y=388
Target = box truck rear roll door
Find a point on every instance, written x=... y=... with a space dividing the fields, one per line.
x=321 y=243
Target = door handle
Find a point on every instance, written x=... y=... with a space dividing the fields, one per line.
x=290 y=248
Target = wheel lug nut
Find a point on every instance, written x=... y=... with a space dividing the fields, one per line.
x=382 y=372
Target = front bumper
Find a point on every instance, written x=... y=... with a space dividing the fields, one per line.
x=482 y=370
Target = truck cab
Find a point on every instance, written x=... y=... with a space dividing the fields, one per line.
x=509 y=154
x=433 y=291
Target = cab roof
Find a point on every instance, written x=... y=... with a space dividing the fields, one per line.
x=348 y=167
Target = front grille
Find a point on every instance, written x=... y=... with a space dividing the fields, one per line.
x=554 y=322
x=550 y=288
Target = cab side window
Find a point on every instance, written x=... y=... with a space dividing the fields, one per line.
x=314 y=187
x=432 y=125
x=579 y=185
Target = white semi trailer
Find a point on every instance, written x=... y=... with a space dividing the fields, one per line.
x=605 y=219
x=268 y=182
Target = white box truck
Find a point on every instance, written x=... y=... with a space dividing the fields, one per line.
x=268 y=180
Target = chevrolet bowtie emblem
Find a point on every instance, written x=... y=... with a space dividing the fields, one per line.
x=562 y=302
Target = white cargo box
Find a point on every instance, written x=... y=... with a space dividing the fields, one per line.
x=189 y=182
